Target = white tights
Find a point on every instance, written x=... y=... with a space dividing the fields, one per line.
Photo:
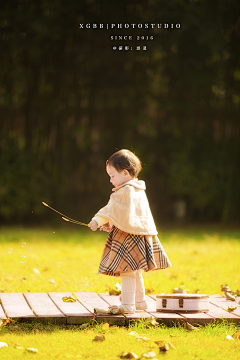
x=133 y=291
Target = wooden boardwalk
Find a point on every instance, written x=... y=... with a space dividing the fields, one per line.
x=50 y=307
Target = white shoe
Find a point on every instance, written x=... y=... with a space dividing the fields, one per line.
x=122 y=309
x=141 y=305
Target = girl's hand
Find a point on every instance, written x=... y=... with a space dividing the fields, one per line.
x=93 y=225
x=107 y=227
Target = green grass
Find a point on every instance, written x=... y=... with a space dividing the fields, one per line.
x=201 y=260
x=54 y=342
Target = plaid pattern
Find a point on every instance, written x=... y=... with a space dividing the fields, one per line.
x=128 y=252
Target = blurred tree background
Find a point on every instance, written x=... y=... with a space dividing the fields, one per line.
x=68 y=101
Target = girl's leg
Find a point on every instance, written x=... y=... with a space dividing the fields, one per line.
x=128 y=290
x=140 y=299
x=128 y=294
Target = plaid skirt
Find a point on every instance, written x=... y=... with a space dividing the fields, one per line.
x=128 y=252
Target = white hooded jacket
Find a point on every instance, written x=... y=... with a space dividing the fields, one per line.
x=128 y=209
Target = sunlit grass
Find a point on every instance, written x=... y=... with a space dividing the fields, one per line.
x=68 y=260
x=55 y=342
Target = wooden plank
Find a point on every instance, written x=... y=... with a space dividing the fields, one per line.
x=151 y=304
x=2 y=314
x=198 y=318
x=219 y=314
x=153 y=296
x=91 y=300
x=44 y=307
x=75 y=312
x=218 y=299
x=114 y=300
x=223 y=304
x=15 y=306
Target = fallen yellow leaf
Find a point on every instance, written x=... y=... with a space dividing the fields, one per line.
x=105 y=326
x=236 y=335
x=6 y=322
x=149 y=291
x=128 y=355
x=164 y=348
x=32 y=350
x=100 y=337
x=231 y=308
x=114 y=328
x=68 y=299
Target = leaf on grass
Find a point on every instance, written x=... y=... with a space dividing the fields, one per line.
x=3 y=344
x=105 y=326
x=114 y=328
x=171 y=345
x=100 y=337
x=236 y=335
x=149 y=291
x=189 y=327
x=128 y=355
x=6 y=322
x=32 y=350
x=84 y=326
x=19 y=347
x=196 y=291
x=229 y=337
x=36 y=271
x=114 y=292
x=164 y=348
x=180 y=291
x=159 y=343
x=225 y=288
x=133 y=333
x=152 y=323
x=142 y=338
x=118 y=286
x=231 y=308
x=149 y=355
x=177 y=291
x=69 y=299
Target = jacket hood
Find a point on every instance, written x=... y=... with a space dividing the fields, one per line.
x=138 y=184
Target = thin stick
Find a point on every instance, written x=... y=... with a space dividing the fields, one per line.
x=66 y=218
x=74 y=221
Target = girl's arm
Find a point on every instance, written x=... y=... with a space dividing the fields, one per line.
x=93 y=225
x=98 y=221
x=107 y=227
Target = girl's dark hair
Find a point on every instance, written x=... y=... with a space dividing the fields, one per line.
x=125 y=160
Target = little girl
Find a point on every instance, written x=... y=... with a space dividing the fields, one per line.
x=132 y=242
